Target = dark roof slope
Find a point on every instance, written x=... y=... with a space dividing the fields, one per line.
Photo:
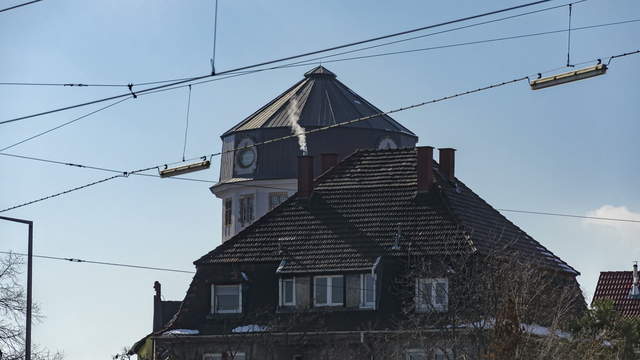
x=615 y=285
x=361 y=206
x=320 y=100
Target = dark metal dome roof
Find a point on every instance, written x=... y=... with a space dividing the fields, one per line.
x=321 y=100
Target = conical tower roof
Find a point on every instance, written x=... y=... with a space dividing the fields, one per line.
x=320 y=100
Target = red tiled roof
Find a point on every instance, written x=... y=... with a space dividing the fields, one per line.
x=615 y=285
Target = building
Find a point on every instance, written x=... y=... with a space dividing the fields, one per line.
x=255 y=179
x=621 y=287
x=329 y=273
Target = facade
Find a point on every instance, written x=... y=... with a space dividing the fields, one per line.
x=255 y=179
x=379 y=248
x=623 y=288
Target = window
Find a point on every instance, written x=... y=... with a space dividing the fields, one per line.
x=288 y=292
x=225 y=356
x=246 y=210
x=228 y=203
x=226 y=299
x=276 y=198
x=367 y=291
x=416 y=355
x=329 y=290
x=432 y=294
x=420 y=354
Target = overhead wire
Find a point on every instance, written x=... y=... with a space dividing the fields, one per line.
x=19 y=5
x=76 y=260
x=306 y=132
x=569 y=215
x=186 y=127
x=269 y=62
x=316 y=58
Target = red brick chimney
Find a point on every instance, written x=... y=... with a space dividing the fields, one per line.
x=424 y=168
x=305 y=176
x=447 y=163
x=327 y=161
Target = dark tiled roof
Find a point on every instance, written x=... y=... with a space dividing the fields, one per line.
x=320 y=100
x=169 y=310
x=615 y=285
x=354 y=215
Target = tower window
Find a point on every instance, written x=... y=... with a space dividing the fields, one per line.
x=228 y=211
x=277 y=198
x=246 y=209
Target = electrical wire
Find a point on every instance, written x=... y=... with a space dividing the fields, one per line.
x=215 y=31
x=76 y=260
x=569 y=215
x=186 y=127
x=316 y=58
x=19 y=5
x=324 y=128
x=269 y=62
x=62 y=125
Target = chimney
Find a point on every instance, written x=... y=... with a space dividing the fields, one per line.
x=424 y=168
x=327 y=161
x=635 y=287
x=157 y=307
x=447 y=163
x=305 y=176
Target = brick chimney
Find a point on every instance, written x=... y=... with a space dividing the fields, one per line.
x=327 y=161
x=305 y=176
x=424 y=168
x=157 y=306
x=447 y=163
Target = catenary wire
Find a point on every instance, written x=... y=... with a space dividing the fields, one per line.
x=63 y=124
x=76 y=260
x=313 y=59
x=269 y=62
x=569 y=215
x=19 y=5
x=324 y=128
x=348 y=59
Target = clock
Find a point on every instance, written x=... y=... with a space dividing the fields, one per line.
x=387 y=143
x=246 y=157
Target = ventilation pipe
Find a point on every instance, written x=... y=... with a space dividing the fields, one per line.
x=635 y=287
x=424 y=168
x=327 y=161
x=305 y=176
x=447 y=163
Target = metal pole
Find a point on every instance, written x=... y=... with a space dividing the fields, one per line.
x=27 y=341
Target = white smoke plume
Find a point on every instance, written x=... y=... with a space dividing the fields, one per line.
x=293 y=117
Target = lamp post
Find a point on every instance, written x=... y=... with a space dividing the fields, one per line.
x=27 y=341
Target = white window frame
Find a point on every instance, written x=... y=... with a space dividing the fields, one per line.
x=409 y=353
x=227 y=210
x=281 y=288
x=241 y=219
x=218 y=356
x=277 y=194
x=329 y=290
x=213 y=300
x=433 y=306
x=363 y=301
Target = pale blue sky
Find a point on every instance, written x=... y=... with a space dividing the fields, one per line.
x=570 y=149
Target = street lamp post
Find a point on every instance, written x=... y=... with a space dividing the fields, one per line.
x=27 y=341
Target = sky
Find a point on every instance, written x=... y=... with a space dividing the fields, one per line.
x=568 y=149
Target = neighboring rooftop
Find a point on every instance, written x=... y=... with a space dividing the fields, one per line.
x=320 y=100
x=616 y=286
x=359 y=208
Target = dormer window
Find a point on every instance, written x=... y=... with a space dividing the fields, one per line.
x=432 y=294
x=288 y=292
x=367 y=291
x=328 y=290
x=226 y=299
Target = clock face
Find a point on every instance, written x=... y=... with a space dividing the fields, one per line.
x=387 y=143
x=246 y=157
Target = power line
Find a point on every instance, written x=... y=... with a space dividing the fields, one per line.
x=63 y=125
x=186 y=127
x=19 y=5
x=247 y=67
x=76 y=260
x=324 y=128
x=569 y=215
x=307 y=60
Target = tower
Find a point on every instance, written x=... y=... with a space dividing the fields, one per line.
x=255 y=179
